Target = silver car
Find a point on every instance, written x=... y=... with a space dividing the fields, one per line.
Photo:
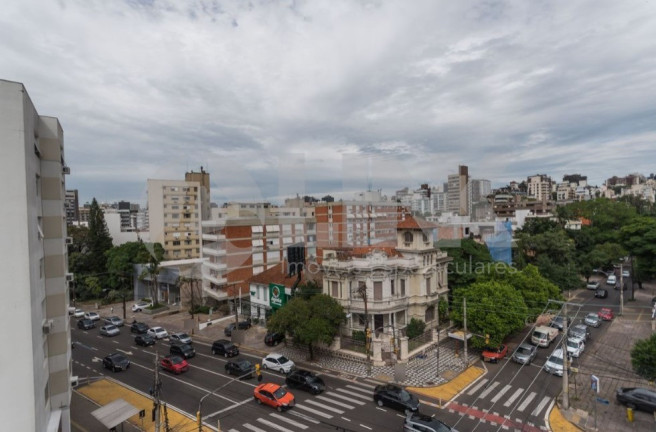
x=109 y=330
x=524 y=354
x=180 y=338
x=592 y=320
x=114 y=320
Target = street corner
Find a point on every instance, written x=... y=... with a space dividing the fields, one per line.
x=559 y=422
x=105 y=391
x=445 y=392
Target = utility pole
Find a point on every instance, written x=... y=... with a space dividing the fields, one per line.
x=565 y=362
x=362 y=291
x=437 y=349
x=621 y=292
x=464 y=313
x=156 y=389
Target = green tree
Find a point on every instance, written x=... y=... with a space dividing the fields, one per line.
x=312 y=321
x=415 y=328
x=493 y=308
x=639 y=238
x=466 y=259
x=98 y=240
x=643 y=358
x=308 y=289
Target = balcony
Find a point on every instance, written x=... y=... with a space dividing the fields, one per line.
x=216 y=281
x=376 y=306
x=218 y=266
x=214 y=252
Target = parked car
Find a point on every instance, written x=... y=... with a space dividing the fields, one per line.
x=558 y=322
x=85 y=324
x=395 y=397
x=180 y=337
x=174 y=363
x=78 y=313
x=524 y=354
x=637 y=398
x=417 y=422
x=241 y=325
x=144 y=340
x=240 y=368
x=494 y=354
x=109 y=330
x=579 y=331
x=273 y=339
x=93 y=316
x=185 y=351
x=592 y=319
x=278 y=362
x=114 y=320
x=139 y=306
x=592 y=285
x=116 y=362
x=225 y=348
x=554 y=364
x=139 y=327
x=274 y=396
x=306 y=381
x=543 y=336
x=601 y=293
x=575 y=347
x=606 y=314
x=626 y=274
x=157 y=332
x=612 y=280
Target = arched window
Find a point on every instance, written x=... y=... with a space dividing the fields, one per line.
x=407 y=237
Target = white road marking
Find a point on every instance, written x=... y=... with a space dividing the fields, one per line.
x=313 y=411
x=359 y=389
x=489 y=389
x=368 y=398
x=501 y=393
x=346 y=398
x=303 y=416
x=335 y=410
x=477 y=386
x=238 y=404
x=344 y=418
x=253 y=428
x=364 y=426
x=369 y=386
x=527 y=401
x=339 y=404
x=288 y=420
x=513 y=397
x=545 y=401
x=274 y=425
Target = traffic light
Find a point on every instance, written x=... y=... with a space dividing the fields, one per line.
x=487 y=339
x=258 y=372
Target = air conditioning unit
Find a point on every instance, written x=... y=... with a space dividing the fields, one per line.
x=69 y=240
x=75 y=380
x=70 y=277
x=66 y=170
x=47 y=327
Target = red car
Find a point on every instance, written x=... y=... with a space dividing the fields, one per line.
x=274 y=396
x=606 y=314
x=175 y=364
x=495 y=354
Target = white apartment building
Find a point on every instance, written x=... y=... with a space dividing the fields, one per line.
x=539 y=187
x=33 y=264
x=175 y=211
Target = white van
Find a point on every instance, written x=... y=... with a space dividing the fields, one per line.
x=554 y=364
x=543 y=336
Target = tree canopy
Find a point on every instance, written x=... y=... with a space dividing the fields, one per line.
x=310 y=321
x=643 y=358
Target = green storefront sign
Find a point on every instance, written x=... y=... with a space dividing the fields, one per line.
x=277 y=296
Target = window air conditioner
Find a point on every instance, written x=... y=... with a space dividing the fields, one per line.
x=70 y=277
x=66 y=170
x=69 y=240
x=47 y=327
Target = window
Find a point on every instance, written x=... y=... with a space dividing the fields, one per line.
x=430 y=314
x=392 y=286
x=403 y=287
x=335 y=292
x=424 y=237
x=428 y=286
x=407 y=238
x=378 y=290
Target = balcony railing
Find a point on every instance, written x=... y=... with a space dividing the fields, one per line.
x=387 y=304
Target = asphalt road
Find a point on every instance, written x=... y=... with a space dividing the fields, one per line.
x=345 y=405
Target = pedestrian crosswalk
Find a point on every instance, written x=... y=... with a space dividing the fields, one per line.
x=499 y=397
x=310 y=412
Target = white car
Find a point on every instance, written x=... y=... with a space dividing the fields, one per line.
x=554 y=364
x=278 y=362
x=78 y=313
x=93 y=316
x=109 y=330
x=157 y=332
x=180 y=338
x=612 y=280
x=575 y=347
x=592 y=285
x=625 y=274
x=139 y=306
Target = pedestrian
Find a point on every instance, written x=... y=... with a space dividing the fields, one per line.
x=112 y=310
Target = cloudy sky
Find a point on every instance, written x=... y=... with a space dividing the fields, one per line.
x=275 y=98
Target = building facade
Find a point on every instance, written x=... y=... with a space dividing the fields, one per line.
x=400 y=283
x=539 y=187
x=34 y=267
x=175 y=211
x=72 y=206
x=458 y=191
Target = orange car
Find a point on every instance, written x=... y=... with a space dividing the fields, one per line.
x=274 y=396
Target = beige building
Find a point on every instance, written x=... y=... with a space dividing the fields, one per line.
x=539 y=187
x=401 y=282
x=175 y=211
x=34 y=262
x=458 y=191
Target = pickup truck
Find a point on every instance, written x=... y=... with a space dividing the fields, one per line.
x=543 y=336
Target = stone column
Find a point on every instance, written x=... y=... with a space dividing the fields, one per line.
x=404 y=349
x=377 y=346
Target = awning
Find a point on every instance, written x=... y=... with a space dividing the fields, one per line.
x=115 y=413
x=459 y=335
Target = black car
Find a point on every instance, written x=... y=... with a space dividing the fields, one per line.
x=395 y=397
x=139 y=327
x=242 y=325
x=85 y=324
x=305 y=380
x=116 y=362
x=225 y=348
x=183 y=350
x=273 y=339
x=240 y=368
x=637 y=398
x=557 y=322
x=417 y=422
x=601 y=293
x=144 y=340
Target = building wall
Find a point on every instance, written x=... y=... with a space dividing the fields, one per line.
x=34 y=266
